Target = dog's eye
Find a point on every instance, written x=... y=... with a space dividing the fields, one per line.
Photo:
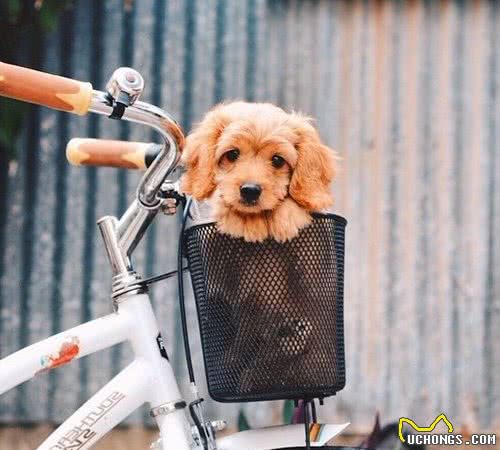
x=278 y=161
x=232 y=155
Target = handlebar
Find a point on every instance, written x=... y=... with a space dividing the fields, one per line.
x=45 y=89
x=168 y=128
x=110 y=153
x=118 y=102
x=78 y=97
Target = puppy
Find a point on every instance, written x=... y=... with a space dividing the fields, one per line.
x=264 y=170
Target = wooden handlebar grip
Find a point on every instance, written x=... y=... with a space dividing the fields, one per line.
x=109 y=153
x=45 y=89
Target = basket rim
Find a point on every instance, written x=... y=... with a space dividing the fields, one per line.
x=315 y=215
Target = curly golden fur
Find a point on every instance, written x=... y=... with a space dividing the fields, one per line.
x=258 y=145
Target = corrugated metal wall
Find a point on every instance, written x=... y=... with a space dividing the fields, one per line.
x=406 y=91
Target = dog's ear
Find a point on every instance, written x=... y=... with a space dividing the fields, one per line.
x=198 y=156
x=315 y=168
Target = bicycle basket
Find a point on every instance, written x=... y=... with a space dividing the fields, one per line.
x=270 y=313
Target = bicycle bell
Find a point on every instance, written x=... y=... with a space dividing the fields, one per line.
x=124 y=87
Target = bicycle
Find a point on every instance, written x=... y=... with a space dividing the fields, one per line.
x=149 y=378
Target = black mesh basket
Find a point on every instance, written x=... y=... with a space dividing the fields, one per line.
x=270 y=314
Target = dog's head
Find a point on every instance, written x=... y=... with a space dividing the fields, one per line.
x=253 y=155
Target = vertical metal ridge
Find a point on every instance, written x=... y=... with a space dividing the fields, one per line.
x=251 y=50
x=456 y=203
x=4 y=199
x=59 y=218
x=189 y=55
x=375 y=361
x=393 y=162
x=29 y=201
x=424 y=216
x=220 y=34
x=95 y=65
x=186 y=113
x=122 y=175
x=4 y=192
x=160 y=21
x=442 y=161
x=159 y=31
x=410 y=190
x=489 y=358
x=127 y=59
x=281 y=7
x=357 y=370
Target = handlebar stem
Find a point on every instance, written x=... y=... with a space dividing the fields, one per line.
x=122 y=236
x=164 y=124
x=119 y=260
x=125 y=279
x=133 y=224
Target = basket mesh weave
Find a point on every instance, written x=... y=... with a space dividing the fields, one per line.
x=270 y=314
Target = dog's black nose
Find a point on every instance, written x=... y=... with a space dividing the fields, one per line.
x=250 y=193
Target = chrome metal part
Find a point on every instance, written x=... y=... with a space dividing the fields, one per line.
x=133 y=224
x=211 y=437
x=159 y=170
x=218 y=425
x=122 y=236
x=171 y=186
x=126 y=285
x=210 y=428
x=125 y=81
x=125 y=279
x=118 y=258
x=160 y=121
x=169 y=206
x=202 y=427
x=195 y=433
x=167 y=408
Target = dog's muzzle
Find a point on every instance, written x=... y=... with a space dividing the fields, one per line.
x=250 y=193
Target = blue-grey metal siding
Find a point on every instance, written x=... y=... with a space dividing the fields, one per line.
x=407 y=91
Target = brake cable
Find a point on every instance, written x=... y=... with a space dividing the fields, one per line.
x=180 y=284
x=161 y=277
x=195 y=405
x=179 y=200
x=182 y=302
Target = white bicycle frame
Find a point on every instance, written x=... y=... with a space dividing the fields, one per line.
x=149 y=378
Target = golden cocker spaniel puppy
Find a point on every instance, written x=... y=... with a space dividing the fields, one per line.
x=264 y=169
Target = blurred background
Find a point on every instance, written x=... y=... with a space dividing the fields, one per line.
x=406 y=91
